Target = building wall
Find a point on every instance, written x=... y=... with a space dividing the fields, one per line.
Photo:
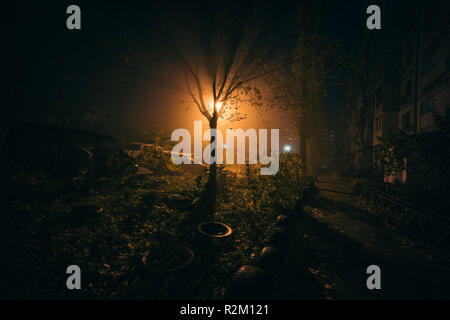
x=404 y=75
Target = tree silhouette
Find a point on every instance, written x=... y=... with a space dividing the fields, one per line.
x=222 y=55
x=300 y=87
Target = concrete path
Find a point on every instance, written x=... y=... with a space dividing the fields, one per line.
x=360 y=239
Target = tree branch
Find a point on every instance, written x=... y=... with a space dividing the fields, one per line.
x=200 y=108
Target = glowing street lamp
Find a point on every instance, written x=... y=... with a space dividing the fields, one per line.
x=287 y=148
x=218 y=106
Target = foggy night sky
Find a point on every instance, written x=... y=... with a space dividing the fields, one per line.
x=44 y=55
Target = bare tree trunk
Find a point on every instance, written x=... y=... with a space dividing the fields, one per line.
x=213 y=166
x=210 y=192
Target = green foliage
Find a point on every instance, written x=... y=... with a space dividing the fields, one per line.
x=119 y=163
x=425 y=159
x=280 y=191
x=43 y=231
x=300 y=89
x=157 y=159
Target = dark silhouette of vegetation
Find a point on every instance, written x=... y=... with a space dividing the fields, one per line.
x=422 y=159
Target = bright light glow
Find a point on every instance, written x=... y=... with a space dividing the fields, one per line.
x=224 y=146
x=218 y=106
x=287 y=148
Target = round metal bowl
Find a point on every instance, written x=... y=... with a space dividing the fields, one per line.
x=214 y=229
x=186 y=256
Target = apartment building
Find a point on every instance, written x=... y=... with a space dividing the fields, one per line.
x=425 y=66
x=372 y=106
x=403 y=77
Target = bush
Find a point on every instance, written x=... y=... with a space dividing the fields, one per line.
x=424 y=159
x=280 y=191
x=119 y=163
x=157 y=160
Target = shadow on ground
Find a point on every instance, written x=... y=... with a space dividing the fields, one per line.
x=339 y=259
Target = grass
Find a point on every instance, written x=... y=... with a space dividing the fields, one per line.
x=45 y=232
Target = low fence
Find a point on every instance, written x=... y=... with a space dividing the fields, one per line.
x=426 y=226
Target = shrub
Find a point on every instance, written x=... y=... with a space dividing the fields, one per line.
x=119 y=163
x=280 y=191
x=157 y=159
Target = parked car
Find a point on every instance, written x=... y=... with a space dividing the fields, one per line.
x=58 y=151
x=153 y=158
